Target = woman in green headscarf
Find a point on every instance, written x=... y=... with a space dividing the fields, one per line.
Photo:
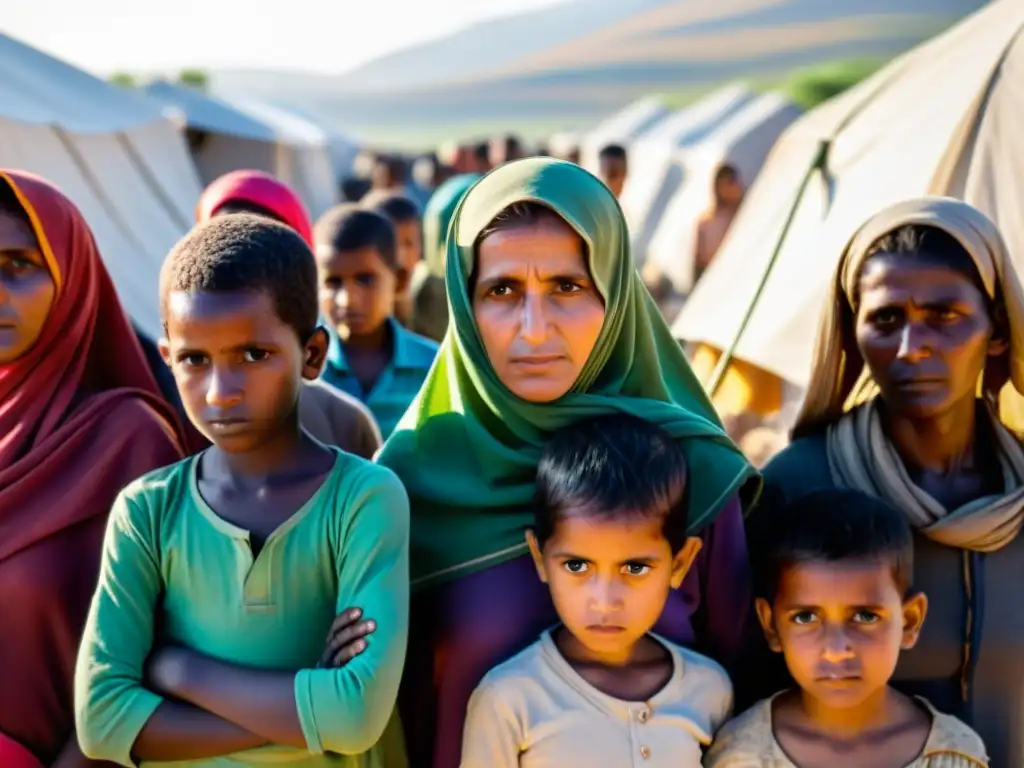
x=430 y=303
x=551 y=324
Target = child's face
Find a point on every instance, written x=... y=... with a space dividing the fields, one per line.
x=238 y=366
x=841 y=627
x=610 y=579
x=410 y=244
x=357 y=290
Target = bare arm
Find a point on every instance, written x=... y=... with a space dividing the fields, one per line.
x=190 y=732
x=256 y=701
x=177 y=731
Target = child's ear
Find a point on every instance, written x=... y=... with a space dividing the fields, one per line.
x=315 y=354
x=765 y=618
x=402 y=278
x=683 y=560
x=538 y=557
x=164 y=345
x=915 y=609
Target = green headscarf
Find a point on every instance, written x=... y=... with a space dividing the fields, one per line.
x=430 y=306
x=467 y=448
x=438 y=215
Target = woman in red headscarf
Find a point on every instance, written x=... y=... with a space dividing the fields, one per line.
x=80 y=417
x=328 y=414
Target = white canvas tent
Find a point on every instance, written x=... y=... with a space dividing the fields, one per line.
x=743 y=141
x=307 y=165
x=341 y=148
x=942 y=119
x=655 y=170
x=622 y=127
x=113 y=152
x=227 y=136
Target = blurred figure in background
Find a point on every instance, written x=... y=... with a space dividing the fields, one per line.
x=613 y=168
x=390 y=173
x=428 y=173
x=481 y=158
x=715 y=223
x=371 y=356
x=430 y=300
x=406 y=217
x=505 y=149
x=354 y=188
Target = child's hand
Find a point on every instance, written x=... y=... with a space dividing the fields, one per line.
x=345 y=640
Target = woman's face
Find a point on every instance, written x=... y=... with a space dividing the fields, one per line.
x=537 y=308
x=26 y=287
x=924 y=332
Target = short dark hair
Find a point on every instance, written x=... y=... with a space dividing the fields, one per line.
x=613 y=152
x=399 y=208
x=354 y=188
x=727 y=172
x=830 y=526
x=614 y=466
x=246 y=252
x=349 y=227
x=482 y=152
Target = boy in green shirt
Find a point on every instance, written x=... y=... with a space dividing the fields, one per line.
x=222 y=574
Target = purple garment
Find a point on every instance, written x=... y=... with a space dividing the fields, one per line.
x=460 y=631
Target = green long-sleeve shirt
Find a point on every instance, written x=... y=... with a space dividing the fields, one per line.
x=167 y=554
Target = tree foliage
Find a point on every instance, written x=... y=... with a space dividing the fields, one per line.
x=814 y=85
x=123 y=80
x=194 y=78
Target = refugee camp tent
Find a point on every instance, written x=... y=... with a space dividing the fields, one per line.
x=307 y=165
x=655 y=168
x=341 y=148
x=742 y=141
x=114 y=153
x=226 y=136
x=942 y=119
x=622 y=127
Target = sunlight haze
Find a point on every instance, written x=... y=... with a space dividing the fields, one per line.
x=311 y=35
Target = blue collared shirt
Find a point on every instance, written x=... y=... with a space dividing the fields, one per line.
x=399 y=382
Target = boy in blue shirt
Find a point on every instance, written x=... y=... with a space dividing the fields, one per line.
x=371 y=357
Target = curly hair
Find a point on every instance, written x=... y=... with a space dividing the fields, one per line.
x=246 y=252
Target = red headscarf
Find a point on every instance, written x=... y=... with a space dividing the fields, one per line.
x=81 y=416
x=260 y=189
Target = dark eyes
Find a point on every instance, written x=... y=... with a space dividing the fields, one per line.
x=505 y=290
x=255 y=355
x=15 y=266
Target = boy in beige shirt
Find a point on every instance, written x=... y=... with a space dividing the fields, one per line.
x=600 y=690
x=833 y=570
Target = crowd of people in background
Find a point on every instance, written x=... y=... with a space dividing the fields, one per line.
x=428 y=482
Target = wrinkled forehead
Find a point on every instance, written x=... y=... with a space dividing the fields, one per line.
x=577 y=197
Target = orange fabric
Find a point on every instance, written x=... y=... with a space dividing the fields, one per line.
x=745 y=388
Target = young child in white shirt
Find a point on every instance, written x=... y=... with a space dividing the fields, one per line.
x=599 y=689
x=833 y=572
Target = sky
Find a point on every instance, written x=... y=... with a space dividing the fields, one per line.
x=328 y=36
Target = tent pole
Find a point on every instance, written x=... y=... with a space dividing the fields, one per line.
x=718 y=374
